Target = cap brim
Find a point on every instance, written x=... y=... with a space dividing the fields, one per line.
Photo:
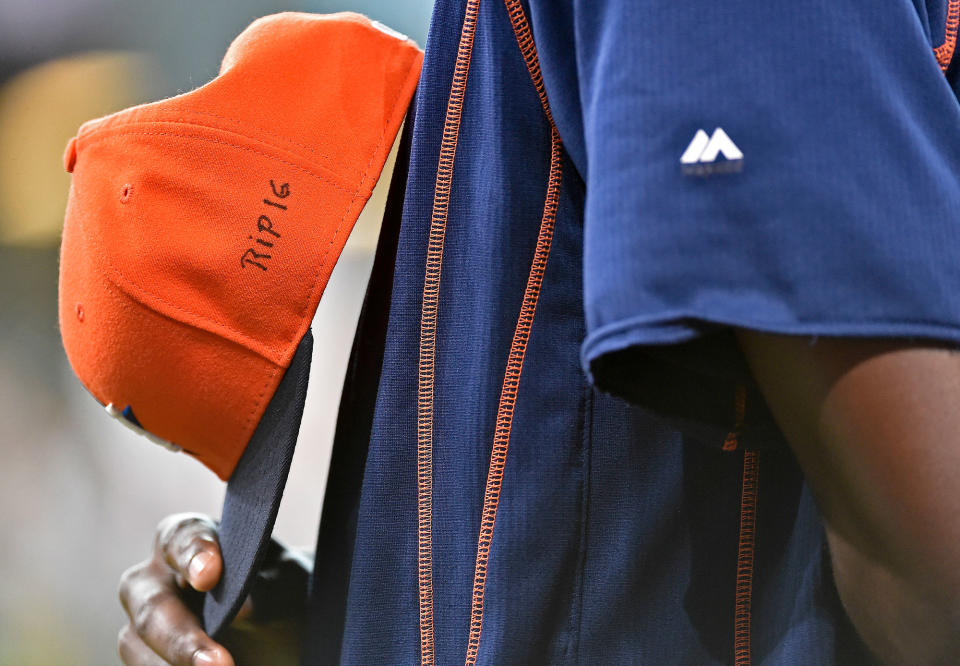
x=254 y=491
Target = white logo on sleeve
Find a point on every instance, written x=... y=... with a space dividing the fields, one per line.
x=700 y=157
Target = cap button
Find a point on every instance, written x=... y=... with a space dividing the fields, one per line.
x=70 y=155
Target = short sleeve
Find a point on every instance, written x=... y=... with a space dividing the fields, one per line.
x=790 y=167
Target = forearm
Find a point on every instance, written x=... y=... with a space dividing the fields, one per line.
x=901 y=619
x=874 y=424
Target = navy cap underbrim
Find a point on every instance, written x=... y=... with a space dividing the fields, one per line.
x=254 y=491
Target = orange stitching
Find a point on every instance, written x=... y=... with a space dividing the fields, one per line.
x=428 y=330
x=208 y=323
x=247 y=423
x=334 y=178
x=508 y=396
x=262 y=130
x=214 y=326
x=944 y=52
x=242 y=339
x=365 y=186
x=289 y=145
x=521 y=336
x=745 y=551
x=739 y=406
x=243 y=123
x=521 y=30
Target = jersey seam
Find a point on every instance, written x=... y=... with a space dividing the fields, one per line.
x=521 y=336
x=429 y=307
x=586 y=440
x=746 y=548
x=732 y=440
x=509 y=396
x=944 y=52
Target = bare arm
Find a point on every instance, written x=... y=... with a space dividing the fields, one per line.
x=876 y=428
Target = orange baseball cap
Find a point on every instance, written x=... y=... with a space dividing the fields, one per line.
x=200 y=233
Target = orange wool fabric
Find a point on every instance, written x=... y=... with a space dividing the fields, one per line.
x=201 y=230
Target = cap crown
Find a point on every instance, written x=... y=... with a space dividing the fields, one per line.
x=201 y=230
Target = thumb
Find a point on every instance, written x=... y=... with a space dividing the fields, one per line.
x=188 y=544
x=204 y=566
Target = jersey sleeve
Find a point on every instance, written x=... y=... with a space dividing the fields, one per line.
x=788 y=167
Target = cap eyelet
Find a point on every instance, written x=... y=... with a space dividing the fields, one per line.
x=80 y=311
x=126 y=193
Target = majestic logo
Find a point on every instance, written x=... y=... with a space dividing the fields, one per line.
x=700 y=157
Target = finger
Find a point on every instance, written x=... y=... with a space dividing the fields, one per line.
x=134 y=652
x=174 y=633
x=188 y=544
x=140 y=579
x=166 y=625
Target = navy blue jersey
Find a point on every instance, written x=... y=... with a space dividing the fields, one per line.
x=550 y=450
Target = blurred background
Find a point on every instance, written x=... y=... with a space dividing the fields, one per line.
x=80 y=495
